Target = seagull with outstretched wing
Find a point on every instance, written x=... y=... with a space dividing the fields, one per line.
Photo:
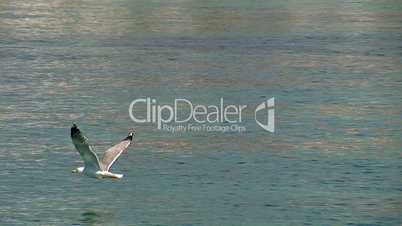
x=92 y=166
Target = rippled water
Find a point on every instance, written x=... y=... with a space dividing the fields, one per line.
x=334 y=68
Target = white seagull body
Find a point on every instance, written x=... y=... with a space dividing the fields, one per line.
x=92 y=166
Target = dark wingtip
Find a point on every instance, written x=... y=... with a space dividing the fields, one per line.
x=130 y=136
x=74 y=130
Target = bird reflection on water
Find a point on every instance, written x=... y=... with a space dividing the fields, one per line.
x=95 y=217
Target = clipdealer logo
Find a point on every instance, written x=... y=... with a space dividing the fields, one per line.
x=184 y=116
x=269 y=107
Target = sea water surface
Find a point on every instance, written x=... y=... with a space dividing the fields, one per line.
x=334 y=68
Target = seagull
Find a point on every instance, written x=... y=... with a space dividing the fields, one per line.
x=92 y=166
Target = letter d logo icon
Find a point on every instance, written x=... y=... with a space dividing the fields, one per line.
x=267 y=105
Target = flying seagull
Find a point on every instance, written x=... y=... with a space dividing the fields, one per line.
x=92 y=166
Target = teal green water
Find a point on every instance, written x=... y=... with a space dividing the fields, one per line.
x=334 y=68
